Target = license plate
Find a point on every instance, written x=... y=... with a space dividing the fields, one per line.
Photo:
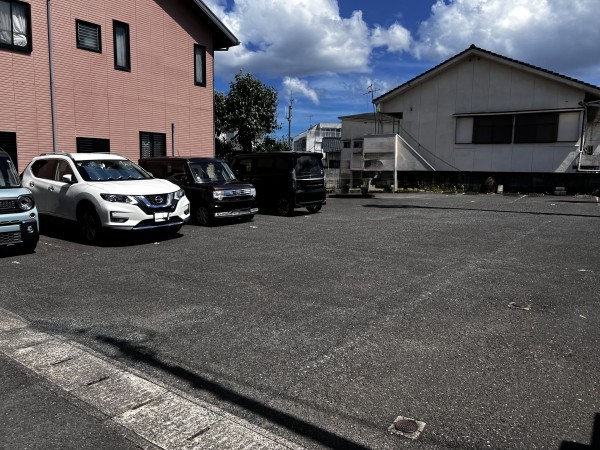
x=161 y=217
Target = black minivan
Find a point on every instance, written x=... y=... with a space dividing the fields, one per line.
x=209 y=184
x=284 y=180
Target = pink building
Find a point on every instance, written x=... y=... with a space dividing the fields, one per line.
x=133 y=77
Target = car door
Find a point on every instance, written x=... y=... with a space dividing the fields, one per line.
x=62 y=192
x=43 y=171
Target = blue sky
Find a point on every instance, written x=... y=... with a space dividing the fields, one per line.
x=328 y=52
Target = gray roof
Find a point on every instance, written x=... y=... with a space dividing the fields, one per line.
x=587 y=87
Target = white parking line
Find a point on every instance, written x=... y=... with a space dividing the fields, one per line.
x=157 y=414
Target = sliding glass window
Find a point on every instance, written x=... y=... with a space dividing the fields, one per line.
x=121 y=44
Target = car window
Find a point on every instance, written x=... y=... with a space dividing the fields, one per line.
x=211 y=171
x=8 y=173
x=63 y=168
x=264 y=163
x=110 y=170
x=44 y=168
x=309 y=166
x=243 y=166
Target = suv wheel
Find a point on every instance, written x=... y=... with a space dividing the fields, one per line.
x=89 y=225
x=314 y=208
x=203 y=216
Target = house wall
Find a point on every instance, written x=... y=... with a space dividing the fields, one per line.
x=95 y=100
x=478 y=85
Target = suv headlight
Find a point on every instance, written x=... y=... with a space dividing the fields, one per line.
x=25 y=202
x=179 y=194
x=117 y=198
x=253 y=192
x=218 y=195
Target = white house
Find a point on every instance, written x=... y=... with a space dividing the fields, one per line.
x=480 y=114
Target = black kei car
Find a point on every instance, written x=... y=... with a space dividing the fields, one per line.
x=209 y=184
x=284 y=180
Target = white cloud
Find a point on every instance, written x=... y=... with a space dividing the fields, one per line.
x=554 y=34
x=396 y=38
x=297 y=86
x=301 y=37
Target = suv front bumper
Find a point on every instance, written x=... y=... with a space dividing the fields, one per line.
x=123 y=216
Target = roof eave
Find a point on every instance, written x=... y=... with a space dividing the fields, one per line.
x=224 y=38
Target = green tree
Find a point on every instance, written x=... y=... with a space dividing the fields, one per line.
x=249 y=110
x=271 y=144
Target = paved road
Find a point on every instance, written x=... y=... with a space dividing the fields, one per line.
x=322 y=329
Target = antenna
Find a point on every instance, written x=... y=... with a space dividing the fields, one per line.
x=310 y=116
x=371 y=90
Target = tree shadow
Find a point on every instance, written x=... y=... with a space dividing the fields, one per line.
x=143 y=354
x=594 y=444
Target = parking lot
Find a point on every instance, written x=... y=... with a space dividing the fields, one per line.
x=475 y=314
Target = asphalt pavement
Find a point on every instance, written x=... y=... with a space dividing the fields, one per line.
x=475 y=315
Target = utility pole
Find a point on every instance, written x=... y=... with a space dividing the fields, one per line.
x=289 y=119
x=371 y=90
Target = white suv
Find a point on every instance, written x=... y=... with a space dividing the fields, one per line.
x=104 y=190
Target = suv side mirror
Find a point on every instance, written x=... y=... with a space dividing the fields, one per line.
x=68 y=178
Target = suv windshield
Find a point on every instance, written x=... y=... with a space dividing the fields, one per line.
x=9 y=178
x=211 y=171
x=309 y=166
x=110 y=170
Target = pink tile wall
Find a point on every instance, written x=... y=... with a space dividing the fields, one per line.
x=93 y=99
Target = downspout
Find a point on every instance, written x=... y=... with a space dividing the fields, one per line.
x=173 y=139
x=582 y=138
x=50 y=63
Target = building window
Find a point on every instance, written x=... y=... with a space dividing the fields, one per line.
x=346 y=144
x=333 y=164
x=357 y=144
x=152 y=144
x=199 y=65
x=88 y=36
x=536 y=128
x=15 y=25
x=493 y=129
x=121 y=44
x=92 y=145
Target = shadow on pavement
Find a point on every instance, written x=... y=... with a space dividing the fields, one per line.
x=595 y=442
x=67 y=231
x=145 y=355
x=481 y=209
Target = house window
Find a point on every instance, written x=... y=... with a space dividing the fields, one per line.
x=121 y=44
x=88 y=36
x=199 y=65
x=493 y=129
x=15 y=25
x=152 y=144
x=536 y=128
x=92 y=145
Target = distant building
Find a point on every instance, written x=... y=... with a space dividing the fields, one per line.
x=311 y=140
x=475 y=115
x=133 y=77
